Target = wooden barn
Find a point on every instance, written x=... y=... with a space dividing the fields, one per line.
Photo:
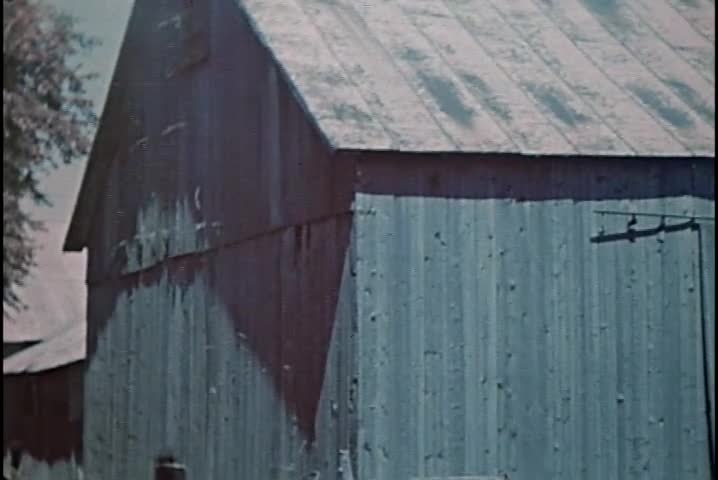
x=406 y=239
x=42 y=408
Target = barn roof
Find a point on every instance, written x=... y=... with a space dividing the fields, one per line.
x=54 y=292
x=540 y=77
x=618 y=78
x=67 y=347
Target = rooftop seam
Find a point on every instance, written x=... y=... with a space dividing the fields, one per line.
x=389 y=56
x=448 y=65
x=610 y=79
x=560 y=78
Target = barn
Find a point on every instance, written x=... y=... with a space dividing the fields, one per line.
x=42 y=408
x=44 y=350
x=405 y=239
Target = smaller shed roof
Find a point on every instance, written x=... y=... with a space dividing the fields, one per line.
x=65 y=348
x=549 y=77
x=54 y=293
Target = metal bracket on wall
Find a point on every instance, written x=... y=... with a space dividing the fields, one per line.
x=692 y=223
x=167 y=468
x=631 y=234
x=697 y=218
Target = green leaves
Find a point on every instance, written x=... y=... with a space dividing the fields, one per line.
x=45 y=118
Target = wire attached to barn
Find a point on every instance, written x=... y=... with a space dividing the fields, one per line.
x=697 y=218
x=706 y=361
x=693 y=223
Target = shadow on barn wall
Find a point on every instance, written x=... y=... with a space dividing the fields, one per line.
x=281 y=287
x=535 y=179
x=266 y=177
x=281 y=291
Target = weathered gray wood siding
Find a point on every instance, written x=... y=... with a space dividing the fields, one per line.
x=217 y=263
x=495 y=337
x=180 y=365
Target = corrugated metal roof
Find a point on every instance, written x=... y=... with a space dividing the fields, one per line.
x=587 y=77
x=63 y=349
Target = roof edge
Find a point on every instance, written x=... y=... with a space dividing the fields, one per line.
x=65 y=348
x=83 y=212
x=30 y=371
x=703 y=157
x=292 y=87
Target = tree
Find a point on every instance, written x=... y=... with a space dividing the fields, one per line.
x=46 y=120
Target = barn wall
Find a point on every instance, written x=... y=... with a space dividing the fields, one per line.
x=210 y=146
x=495 y=337
x=42 y=420
x=215 y=261
x=227 y=360
x=216 y=285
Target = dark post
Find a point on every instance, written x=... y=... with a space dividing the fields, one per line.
x=167 y=468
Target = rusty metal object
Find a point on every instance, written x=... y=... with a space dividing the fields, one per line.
x=167 y=468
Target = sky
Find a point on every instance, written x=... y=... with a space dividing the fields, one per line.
x=106 y=20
